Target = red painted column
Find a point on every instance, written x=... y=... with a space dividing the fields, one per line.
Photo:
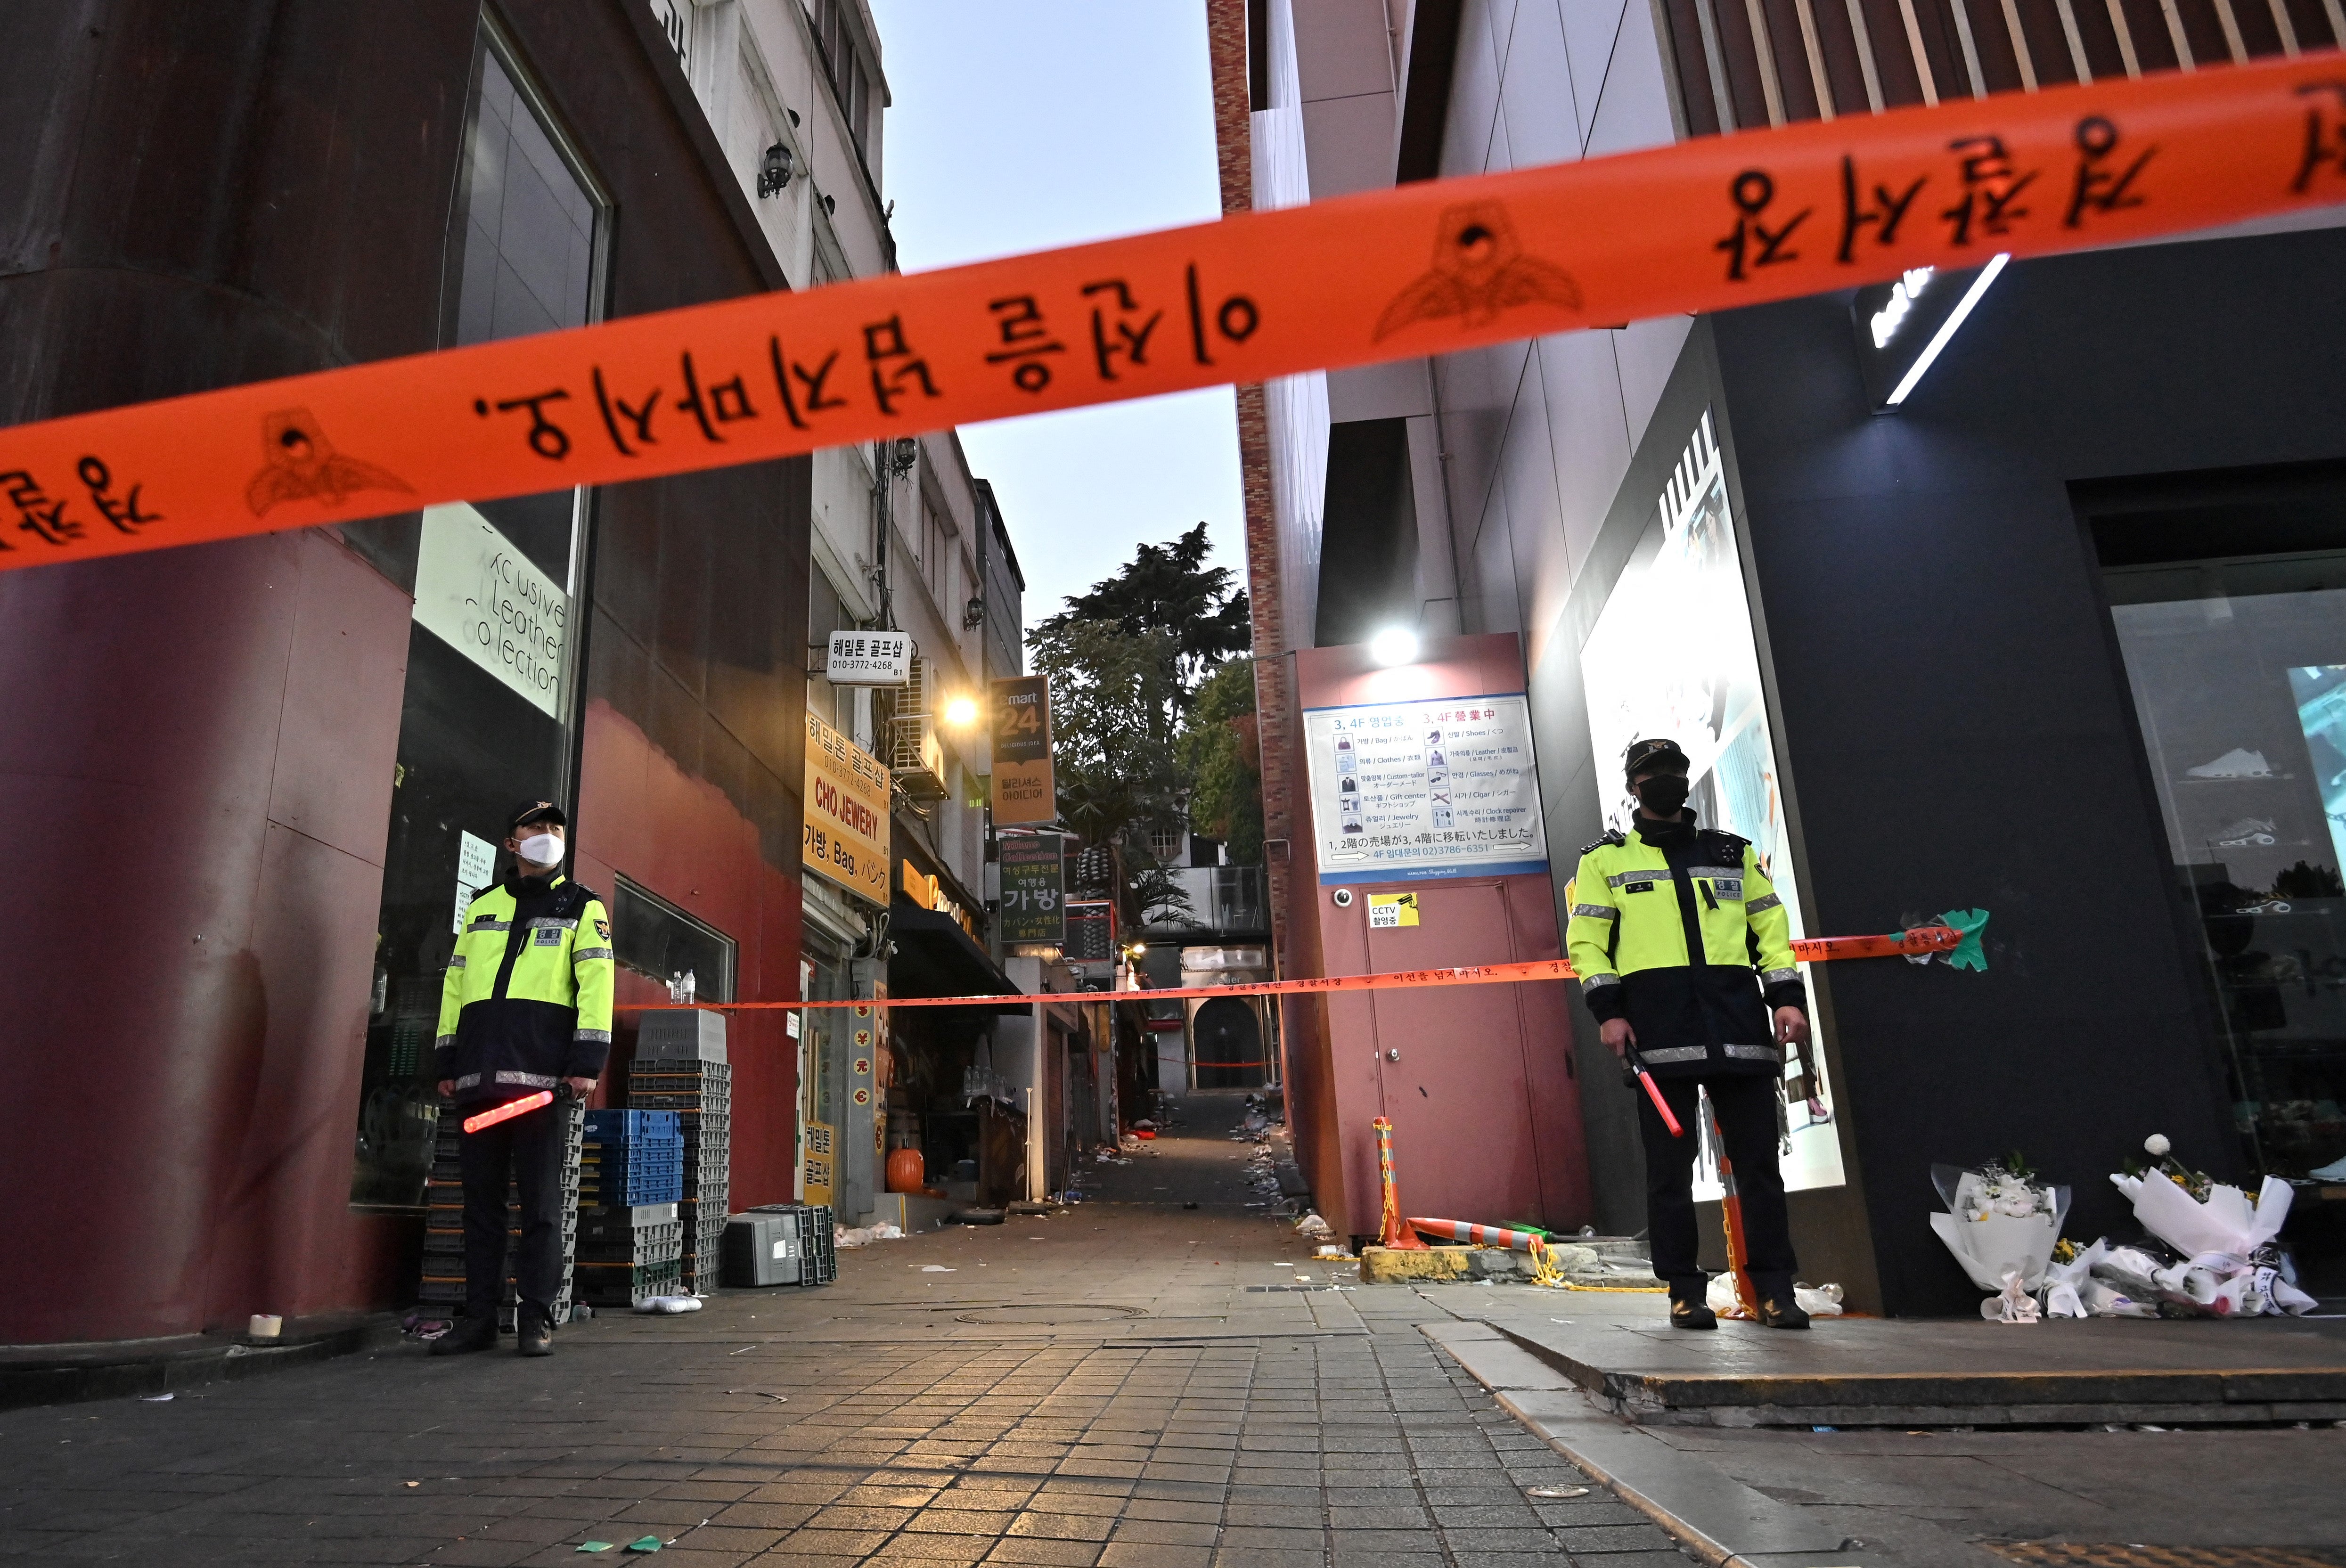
x=196 y=752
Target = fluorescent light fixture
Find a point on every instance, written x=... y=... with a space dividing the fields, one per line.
x=1946 y=332
x=1392 y=645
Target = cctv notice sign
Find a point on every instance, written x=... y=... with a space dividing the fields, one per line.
x=1403 y=791
x=845 y=837
x=1023 y=788
x=870 y=659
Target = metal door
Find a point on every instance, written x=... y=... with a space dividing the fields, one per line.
x=1451 y=1063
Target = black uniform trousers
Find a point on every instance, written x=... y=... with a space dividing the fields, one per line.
x=530 y=1149
x=1746 y=1108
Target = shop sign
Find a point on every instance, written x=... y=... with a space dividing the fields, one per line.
x=870 y=659
x=820 y=1164
x=1023 y=788
x=482 y=597
x=846 y=835
x=1389 y=912
x=1033 y=888
x=1404 y=791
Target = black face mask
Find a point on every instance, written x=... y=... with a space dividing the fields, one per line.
x=1663 y=793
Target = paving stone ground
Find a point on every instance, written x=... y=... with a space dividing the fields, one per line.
x=1130 y=1384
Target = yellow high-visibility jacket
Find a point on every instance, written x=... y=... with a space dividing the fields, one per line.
x=527 y=1001
x=1682 y=934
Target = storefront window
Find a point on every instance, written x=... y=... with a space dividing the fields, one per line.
x=2239 y=670
x=658 y=940
x=488 y=719
x=1673 y=655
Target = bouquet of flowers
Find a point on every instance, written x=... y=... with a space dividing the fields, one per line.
x=2000 y=1220
x=2223 y=1261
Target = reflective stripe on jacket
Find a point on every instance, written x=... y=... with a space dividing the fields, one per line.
x=1685 y=938
x=526 y=1000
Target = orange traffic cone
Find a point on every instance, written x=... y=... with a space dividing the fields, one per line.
x=1395 y=1231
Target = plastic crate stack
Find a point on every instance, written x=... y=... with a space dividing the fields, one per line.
x=444 y=1222
x=629 y=1180
x=680 y=1066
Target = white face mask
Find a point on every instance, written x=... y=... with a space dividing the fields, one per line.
x=542 y=849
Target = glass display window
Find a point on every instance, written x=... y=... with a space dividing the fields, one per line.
x=489 y=714
x=2237 y=667
x=1674 y=655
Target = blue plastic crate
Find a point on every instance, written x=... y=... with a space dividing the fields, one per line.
x=632 y=1125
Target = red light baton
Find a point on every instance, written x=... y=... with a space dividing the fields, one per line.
x=528 y=1102
x=1637 y=1066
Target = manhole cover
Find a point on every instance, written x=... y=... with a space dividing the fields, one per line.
x=1046 y=1314
x=2067 y=1554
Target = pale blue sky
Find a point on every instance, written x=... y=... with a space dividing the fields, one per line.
x=1018 y=125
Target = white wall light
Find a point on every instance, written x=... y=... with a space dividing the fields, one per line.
x=1393 y=645
x=1946 y=332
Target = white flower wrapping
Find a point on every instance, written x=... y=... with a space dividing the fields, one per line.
x=1998 y=1225
x=2218 y=1239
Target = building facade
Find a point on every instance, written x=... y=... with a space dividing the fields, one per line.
x=270 y=772
x=2000 y=589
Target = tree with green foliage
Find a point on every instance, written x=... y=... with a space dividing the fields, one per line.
x=1168 y=589
x=1112 y=706
x=1220 y=753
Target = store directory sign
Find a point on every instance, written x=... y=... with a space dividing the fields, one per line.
x=1405 y=791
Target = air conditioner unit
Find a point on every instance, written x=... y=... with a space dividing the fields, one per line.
x=915 y=756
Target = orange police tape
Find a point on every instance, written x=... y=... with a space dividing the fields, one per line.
x=1920 y=940
x=1707 y=224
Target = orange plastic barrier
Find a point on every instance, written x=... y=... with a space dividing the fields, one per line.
x=1394 y=1230
x=1703 y=225
x=1474 y=1235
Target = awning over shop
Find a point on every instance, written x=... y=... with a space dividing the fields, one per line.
x=934 y=957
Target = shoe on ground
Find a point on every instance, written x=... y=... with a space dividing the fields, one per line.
x=1778 y=1310
x=470 y=1334
x=1692 y=1315
x=2238 y=763
x=537 y=1335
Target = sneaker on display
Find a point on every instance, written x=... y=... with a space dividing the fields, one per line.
x=2238 y=763
x=2334 y=1171
x=2247 y=831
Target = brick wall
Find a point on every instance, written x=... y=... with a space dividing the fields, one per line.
x=1226 y=25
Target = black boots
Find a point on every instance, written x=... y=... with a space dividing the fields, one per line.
x=536 y=1334
x=1692 y=1313
x=1778 y=1310
x=1778 y=1307
x=468 y=1335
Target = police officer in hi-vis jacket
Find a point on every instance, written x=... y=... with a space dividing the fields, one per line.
x=1685 y=956
x=526 y=1005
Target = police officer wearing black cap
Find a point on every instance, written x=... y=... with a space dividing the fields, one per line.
x=1684 y=952
x=525 y=1007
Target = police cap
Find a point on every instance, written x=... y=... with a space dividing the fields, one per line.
x=1659 y=755
x=530 y=811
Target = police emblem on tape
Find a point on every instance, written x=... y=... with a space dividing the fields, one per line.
x=1480 y=268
